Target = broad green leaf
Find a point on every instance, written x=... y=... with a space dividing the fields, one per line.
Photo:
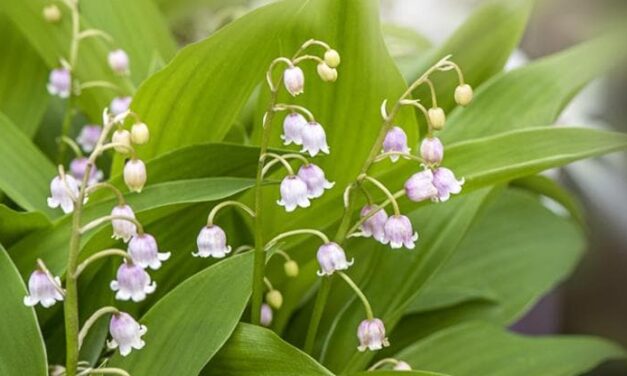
x=253 y=350
x=190 y=324
x=25 y=173
x=481 y=47
x=22 y=348
x=15 y=225
x=51 y=244
x=488 y=349
x=533 y=95
x=396 y=373
x=23 y=77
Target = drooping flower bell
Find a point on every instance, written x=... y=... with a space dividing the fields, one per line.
x=314 y=177
x=331 y=257
x=332 y=58
x=266 y=315
x=63 y=193
x=88 y=138
x=43 y=289
x=291 y=268
x=371 y=334
x=126 y=333
x=293 y=193
x=293 y=126
x=211 y=242
x=463 y=95
x=437 y=117
x=144 y=251
x=274 y=299
x=123 y=229
x=432 y=150
x=118 y=62
x=374 y=226
x=52 y=13
x=60 y=82
x=120 y=104
x=121 y=139
x=446 y=183
x=395 y=141
x=327 y=73
x=399 y=232
x=314 y=139
x=135 y=175
x=294 y=80
x=420 y=186
x=140 y=133
x=133 y=283
x=78 y=166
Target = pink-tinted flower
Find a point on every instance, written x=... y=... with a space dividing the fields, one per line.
x=420 y=186
x=402 y=366
x=43 y=289
x=126 y=333
x=432 y=150
x=118 y=61
x=314 y=139
x=88 y=138
x=371 y=334
x=293 y=126
x=144 y=251
x=60 y=82
x=120 y=104
x=395 y=141
x=211 y=242
x=63 y=193
x=133 y=283
x=135 y=175
x=78 y=166
x=331 y=257
x=314 y=177
x=374 y=226
x=294 y=80
x=293 y=193
x=123 y=229
x=399 y=232
x=446 y=183
x=266 y=315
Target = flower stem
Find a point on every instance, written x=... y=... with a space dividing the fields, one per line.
x=99 y=255
x=224 y=204
x=359 y=293
x=92 y=320
x=302 y=231
x=97 y=222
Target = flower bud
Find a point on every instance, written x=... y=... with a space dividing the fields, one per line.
x=78 y=167
x=332 y=58
x=419 y=186
x=437 y=118
x=432 y=150
x=294 y=80
x=52 y=13
x=144 y=252
x=60 y=82
x=446 y=183
x=374 y=225
x=293 y=193
x=371 y=334
x=314 y=139
x=395 y=141
x=399 y=232
x=140 y=133
x=135 y=175
x=89 y=136
x=274 y=299
x=122 y=137
x=291 y=268
x=293 y=126
x=211 y=242
x=126 y=333
x=314 y=177
x=43 y=289
x=119 y=104
x=133 y=283
x=63 y=194
x=327 y=73
x=118 y=62
x=331 y=258
x=402 y=366
x=266 y=315
x=123 y=229
x=463 y=95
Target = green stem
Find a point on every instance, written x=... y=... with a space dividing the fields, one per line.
x=359 y=294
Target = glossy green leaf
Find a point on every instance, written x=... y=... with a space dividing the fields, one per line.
x=189 y=325
x=533 y=95
x=489 y=350
x=15 y=225
x=25 y=173
x=22 y=350
x=253 y=350
x=23 y=77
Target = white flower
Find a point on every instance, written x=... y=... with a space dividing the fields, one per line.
x=420 y=186
x=371 y=334
x=399 y=232
x=78 y=166
x=314 y=177
x=314 y=139
x=266 y=315
x=140 y=133
x=432 y=150
x=133 y=282
x=374 y=226
x=88 y=138
x=126 y=333
x=331 y=257
x=63 y=194
x=43 y=289
x=211 y=242
x=123 y=229
x=293 y=193
x=395 y=141
x=119 y=105
x=118 y=62
x=145 y=252
x=135 y=175
x=446 y=183
x=294 y=80
x=60 y=82
x=293 y=126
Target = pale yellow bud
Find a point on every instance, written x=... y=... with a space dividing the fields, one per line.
x=463 y=95
x=52 y=13
x=332 y=58
x=291 y=268
x=437 y=118
x=139 y=133
x=327 y=73
x=122 y=137
x=274 y=299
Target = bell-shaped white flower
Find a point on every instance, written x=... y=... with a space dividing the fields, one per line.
x=395 y=141
x=63 y=194
x=211 y=242
x=293 y=193
x=331 y=257
x=43 y=289
x=374 y=226
x=60 y=82
x=314 y=139
x=140 y=133
x=432 y=150
x=446 y=183
x=88 y=138
x=119 y=105
x=399 y=232
x=144 y=251
x=78 y=166
x=314 y=177
x=420 y=186
x=294 y=80
x=118 y=62
x=266 y=315
x=135 y=175
x=133 y=283
x=293 y=126
x=371 y=334
x=463 y=95
x=123 y=229
x=126 y=333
